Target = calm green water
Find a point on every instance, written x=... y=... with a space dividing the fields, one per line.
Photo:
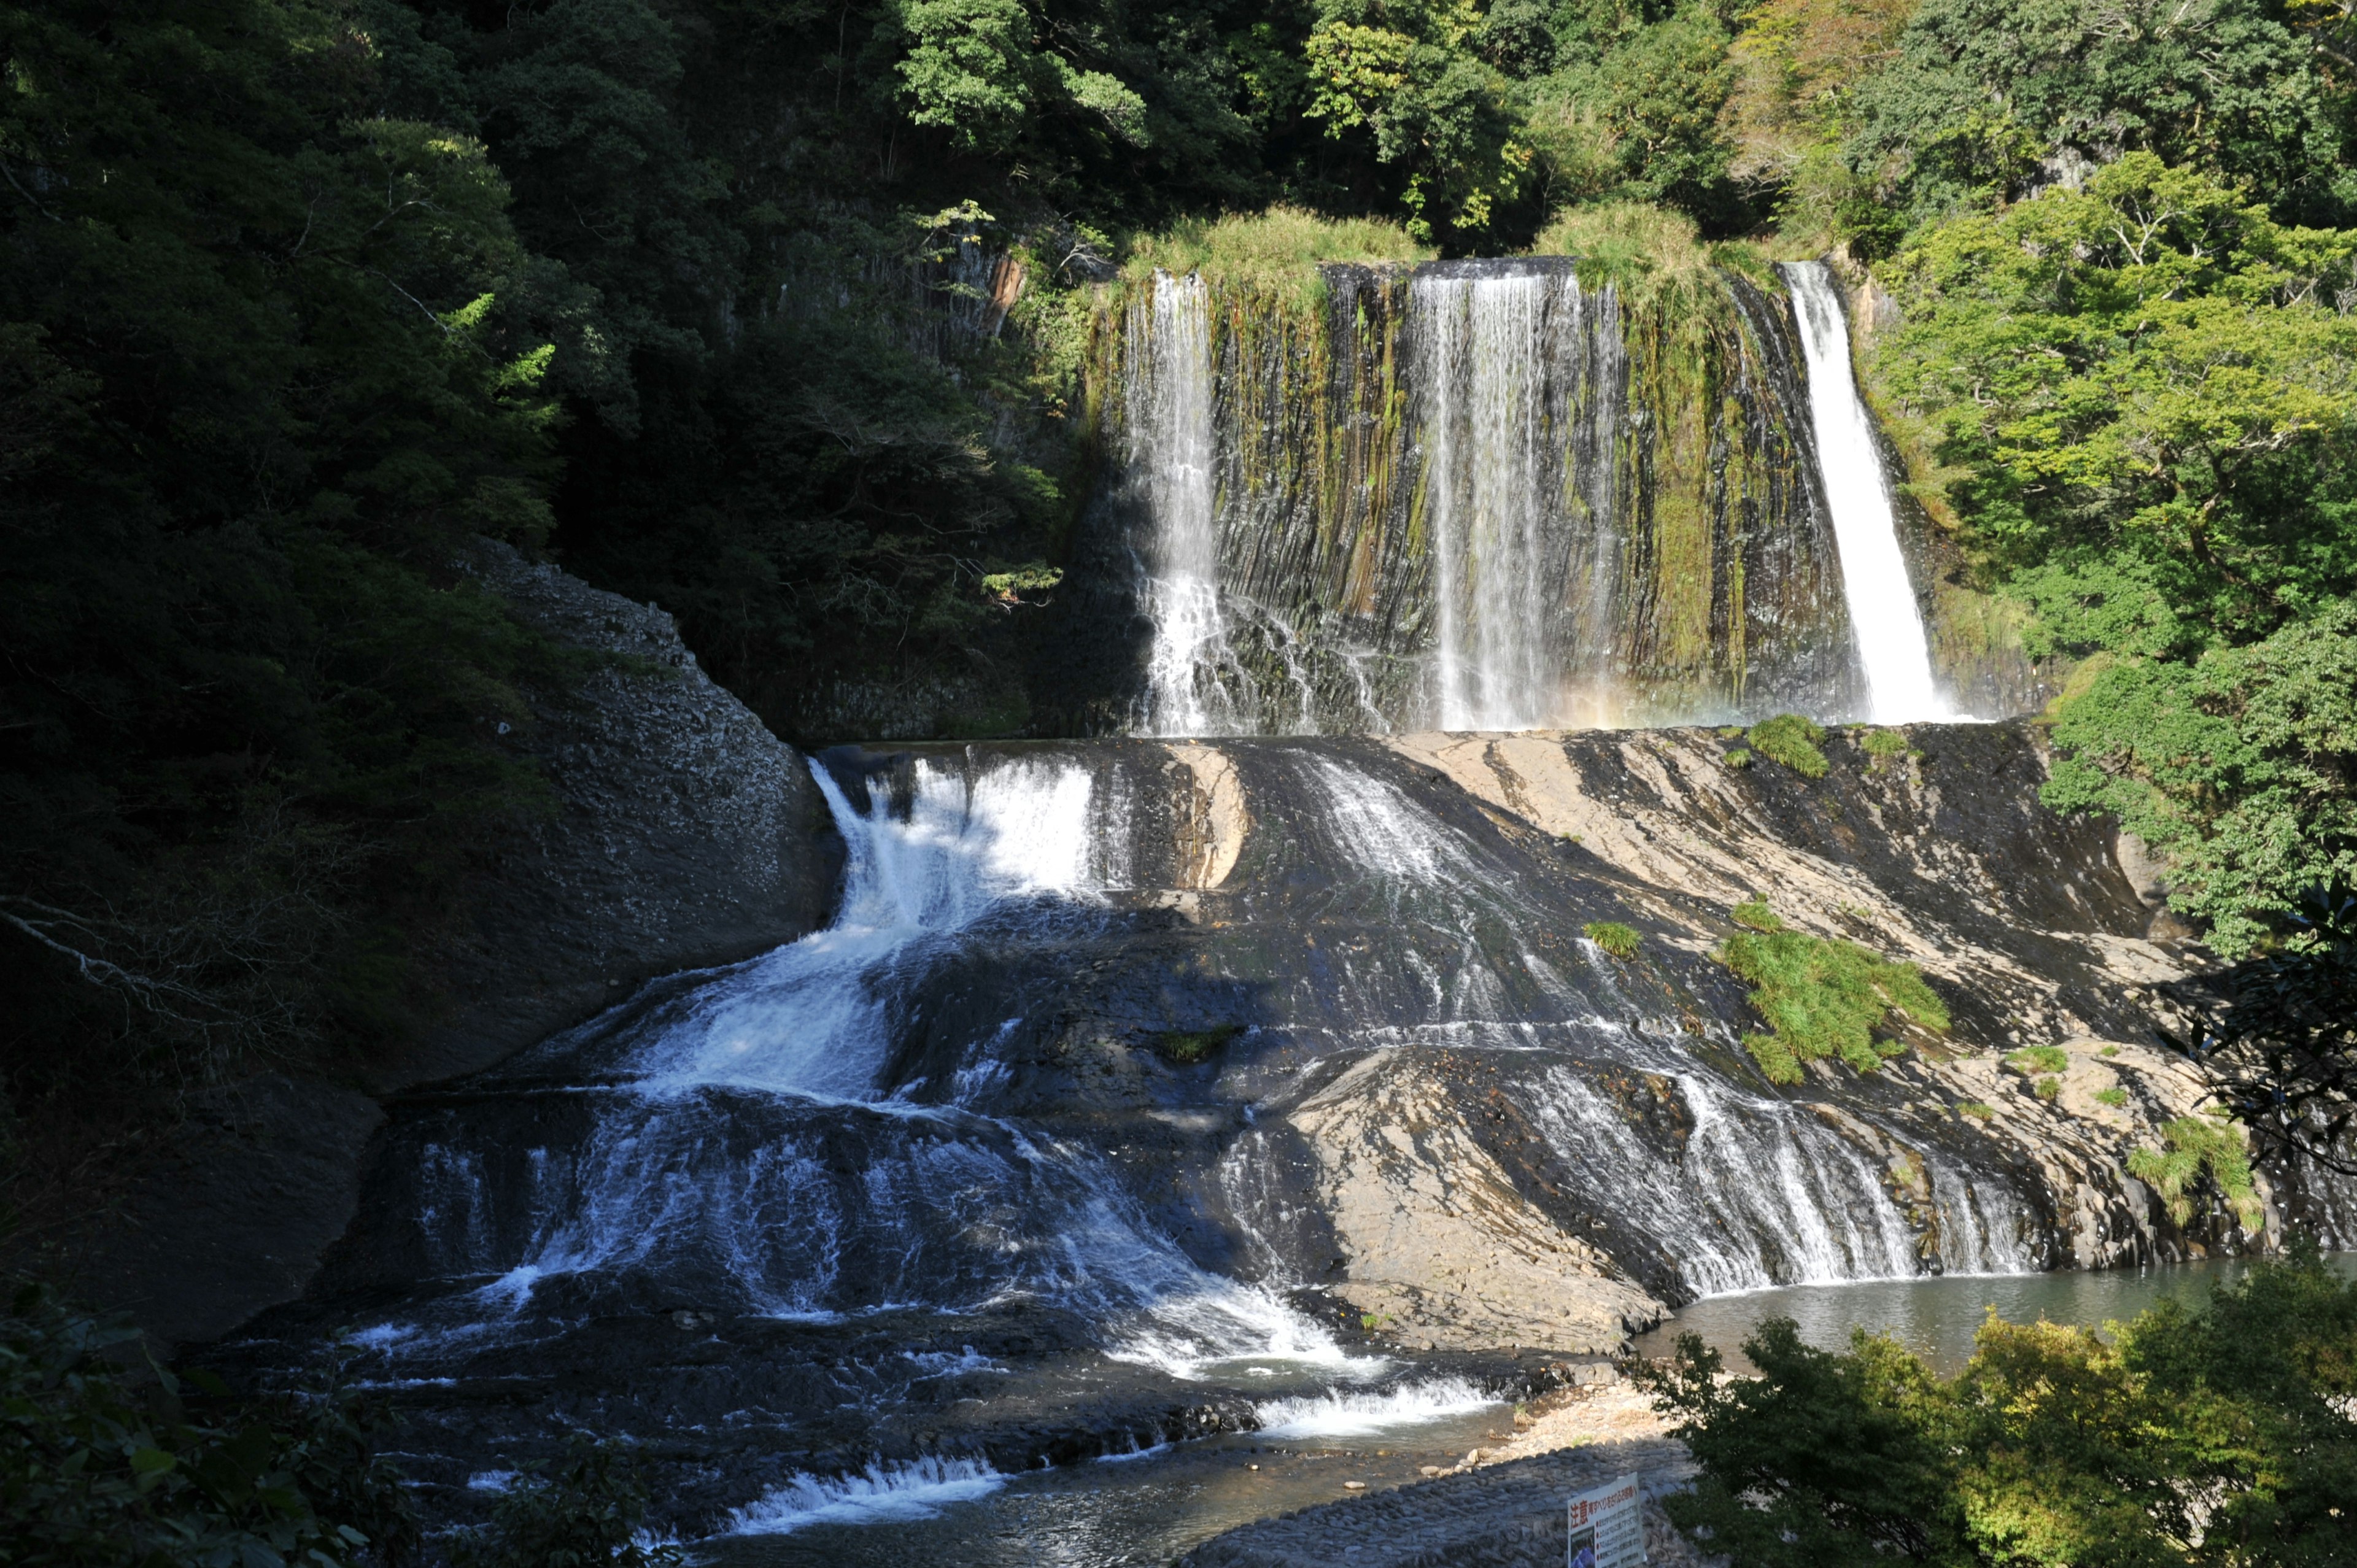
x=1937 y=1317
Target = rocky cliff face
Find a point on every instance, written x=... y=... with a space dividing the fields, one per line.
x=682 y=834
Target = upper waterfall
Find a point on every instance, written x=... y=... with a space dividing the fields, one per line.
x=1468 y=495
x=1883 y=615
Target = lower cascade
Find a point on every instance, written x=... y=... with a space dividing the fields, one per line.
x=1141 y=1088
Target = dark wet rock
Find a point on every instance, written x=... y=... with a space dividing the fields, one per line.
x=684 y=835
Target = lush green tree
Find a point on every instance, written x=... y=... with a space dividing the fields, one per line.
x=257 y=373
x=2215 y=1435
x=2145 y=391
x=1989 y=100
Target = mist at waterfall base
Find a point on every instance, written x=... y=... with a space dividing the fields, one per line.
x=1512 y=532
x=860 y=1229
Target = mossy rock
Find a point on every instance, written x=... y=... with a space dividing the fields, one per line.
x=1187 y=1046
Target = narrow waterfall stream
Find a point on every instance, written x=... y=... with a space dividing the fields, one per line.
x=1883 y=613
x=1189 y=673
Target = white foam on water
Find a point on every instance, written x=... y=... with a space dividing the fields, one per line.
x=1362 y=1414
x=809 y=1018
x=881 y=1494
x=1884 y=617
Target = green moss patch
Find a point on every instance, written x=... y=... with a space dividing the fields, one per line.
x=1621 y=941
x=2193 y=1146
x=1791 y=740
x=1187 y=1046
x=1825 y=998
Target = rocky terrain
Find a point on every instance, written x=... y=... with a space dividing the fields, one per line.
x=680 y=834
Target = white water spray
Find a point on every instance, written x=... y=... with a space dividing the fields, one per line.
x=1883 y=615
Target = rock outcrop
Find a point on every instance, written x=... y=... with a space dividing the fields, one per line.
x=682 y=834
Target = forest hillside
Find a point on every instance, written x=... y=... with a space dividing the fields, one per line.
x=774 y=313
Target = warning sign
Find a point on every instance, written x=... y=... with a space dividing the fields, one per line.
x=1608 y=1527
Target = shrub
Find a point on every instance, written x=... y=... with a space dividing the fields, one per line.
x=2039 y=1058
x=1791 y=740
x=1825 y=998
x=586 y=1513
x=1755 y=915
x=1621 y=941
x=2115 y=1096
x=2193 y=1145
x=2053 y=1446
x=96 y=1470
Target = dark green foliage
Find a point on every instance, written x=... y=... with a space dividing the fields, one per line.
x=1988 y=98
x=97 y=1470
x=2197 y=1438
x=1791 y=740
x=1187 y=1046
x=2282 y=1050
x=258 y=377
x=1621 y=941
x=586 y=1509
x=1825 y=998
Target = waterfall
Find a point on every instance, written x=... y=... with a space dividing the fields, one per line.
x=1171 y=449
x=1518 y=508
x=1467 y=494
x=1884 y=617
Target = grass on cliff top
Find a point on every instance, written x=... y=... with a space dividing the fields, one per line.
x=1648 y=253
x=1276 y=251
x=1824 y=997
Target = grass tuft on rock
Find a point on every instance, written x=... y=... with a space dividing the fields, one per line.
x=1753 y=913
x=1791 y=740
x=1978 y=1109
x=1880 y=743
x=2113 y=1097
x=1621 y=941
x=1738 y=758
x=1823 y=998
x=2036 y=1060
x=2192 y=1146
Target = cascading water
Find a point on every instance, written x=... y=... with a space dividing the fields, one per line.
x=1883 y=614
x=1470 y=494
x=1190 y=666
x=744 y=1143
x=1520 y=374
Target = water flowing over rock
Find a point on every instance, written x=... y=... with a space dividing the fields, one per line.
x=1486 y=495
x=1141 y=1087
